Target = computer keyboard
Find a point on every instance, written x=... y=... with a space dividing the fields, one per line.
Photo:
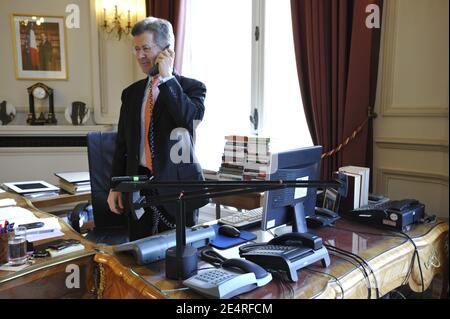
x=244 y=219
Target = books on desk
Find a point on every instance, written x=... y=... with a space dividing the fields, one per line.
x=358 y=187
x=74 y=182
x=245 y=158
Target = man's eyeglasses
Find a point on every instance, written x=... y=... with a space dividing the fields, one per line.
x=145 y=48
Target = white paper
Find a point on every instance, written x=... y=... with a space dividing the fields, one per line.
x=9 y=267
x=7 y=202
x=20 y=216
x=301 y=192
x=36 y=237
x=17 y=213
x=50 y=224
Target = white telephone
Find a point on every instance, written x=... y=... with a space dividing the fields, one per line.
x=235 y=277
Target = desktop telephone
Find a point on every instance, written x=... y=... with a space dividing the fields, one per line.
x=322 y=217
x=235 y=277
x=396 y=214
x=288 y=252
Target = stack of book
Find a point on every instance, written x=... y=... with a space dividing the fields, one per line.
x=256 y=166
x=245 y=158
x=233 y=158
x=358 y=187
x=210 y=175
x=74 y=182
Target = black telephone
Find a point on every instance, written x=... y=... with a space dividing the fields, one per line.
x=155 y=69
x=288 y=252
x=397 y=214
x=321 y=217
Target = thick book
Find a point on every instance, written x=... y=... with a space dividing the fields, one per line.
x=352 y=200
x=75 y=187
x=74 y=177
x=365 y=177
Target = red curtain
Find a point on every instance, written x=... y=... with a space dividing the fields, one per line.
x=337 y=64
x=175 y=12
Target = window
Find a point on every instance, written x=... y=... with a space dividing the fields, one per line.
x=222 y=52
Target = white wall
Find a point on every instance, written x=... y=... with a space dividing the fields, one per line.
x=99 y=68
x=78 y=87
x=411 y=131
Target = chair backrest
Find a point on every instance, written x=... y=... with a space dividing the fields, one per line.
x=101 y=146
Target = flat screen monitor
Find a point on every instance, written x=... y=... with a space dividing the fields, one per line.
x=290 y=206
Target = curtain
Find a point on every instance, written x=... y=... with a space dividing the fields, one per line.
x=337 y=64
x=175 y=12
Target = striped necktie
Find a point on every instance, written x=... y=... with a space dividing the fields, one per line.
x=148 y=142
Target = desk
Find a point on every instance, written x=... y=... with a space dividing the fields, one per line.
x=390 y=258
x=240 y=201
x=60 y=199
x=46 y=278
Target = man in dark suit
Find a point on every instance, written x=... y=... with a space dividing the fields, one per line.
x=156 y=128
x=45 y=54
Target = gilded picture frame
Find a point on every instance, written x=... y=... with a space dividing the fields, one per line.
x=40 y=47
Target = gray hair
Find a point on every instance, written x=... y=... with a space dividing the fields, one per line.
x=161 y=29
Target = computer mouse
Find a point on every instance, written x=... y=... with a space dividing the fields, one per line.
x=229 y=231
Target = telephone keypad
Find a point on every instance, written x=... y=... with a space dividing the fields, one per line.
x=214 y=277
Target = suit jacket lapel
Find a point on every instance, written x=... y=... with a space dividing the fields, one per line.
x=137 y=103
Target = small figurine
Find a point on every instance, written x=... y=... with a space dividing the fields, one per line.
x=7 y=113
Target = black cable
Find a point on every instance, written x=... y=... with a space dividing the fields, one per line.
x=338 y=282
x=377 y=291
x=285 y=283
x=398 y=293
x=362 y=268
x=416 y=253
x=213 y=257
x=408 y=274
x=410 y=239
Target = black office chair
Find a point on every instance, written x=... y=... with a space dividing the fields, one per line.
x=110 y=228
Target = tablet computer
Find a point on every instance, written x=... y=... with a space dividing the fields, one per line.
x=31 y=187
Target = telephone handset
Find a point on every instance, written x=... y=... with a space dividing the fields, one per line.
x=235 y=277
x=400 y=205
x=298 y=239
x=155 y=69
x=288 y=253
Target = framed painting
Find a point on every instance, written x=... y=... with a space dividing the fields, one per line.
x=40 y=47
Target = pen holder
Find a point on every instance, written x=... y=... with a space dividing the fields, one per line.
x=3 y=248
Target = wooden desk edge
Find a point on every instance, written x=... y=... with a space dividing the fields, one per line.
x=130 y=278
x=60 y=199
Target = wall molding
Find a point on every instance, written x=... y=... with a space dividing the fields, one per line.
x=34 y=151
x=412 y=144
x=388 y=72
x=52 y=130
x=384 y=175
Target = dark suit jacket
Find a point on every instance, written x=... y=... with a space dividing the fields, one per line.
x=179 y=104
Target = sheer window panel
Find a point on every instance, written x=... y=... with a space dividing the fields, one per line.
x=284 y=118
x=218 y=53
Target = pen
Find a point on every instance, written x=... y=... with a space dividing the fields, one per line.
x=31 y=233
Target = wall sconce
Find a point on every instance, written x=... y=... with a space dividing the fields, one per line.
x=34 y=19
x=115 y=25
